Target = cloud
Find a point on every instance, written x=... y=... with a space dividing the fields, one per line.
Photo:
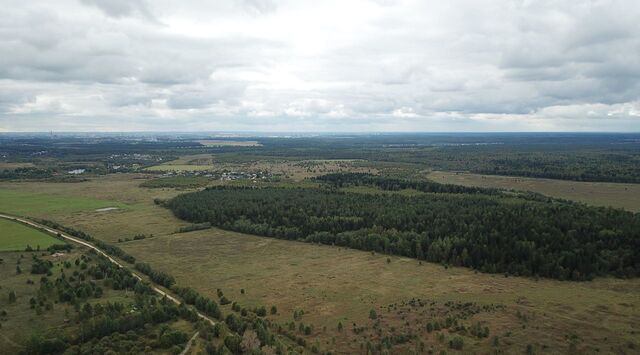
x=330 y=65
x=122 y=8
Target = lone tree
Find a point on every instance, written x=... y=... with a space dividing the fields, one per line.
x=372 y=314
x=250 y=342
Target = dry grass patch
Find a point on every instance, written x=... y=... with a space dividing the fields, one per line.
x=334 y=285
x=616 y=195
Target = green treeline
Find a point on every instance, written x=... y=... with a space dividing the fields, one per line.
x=394 y=184
x=500 y=233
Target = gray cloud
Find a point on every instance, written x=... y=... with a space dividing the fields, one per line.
x=331 y=65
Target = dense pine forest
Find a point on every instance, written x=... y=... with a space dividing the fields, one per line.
x=491 y=233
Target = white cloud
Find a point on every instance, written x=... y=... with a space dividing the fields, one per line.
x=320 y=65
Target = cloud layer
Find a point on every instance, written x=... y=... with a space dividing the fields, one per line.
x=384 y=65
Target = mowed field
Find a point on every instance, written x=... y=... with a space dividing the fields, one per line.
x=333 y=284
x=626 y=196
x=16 y=236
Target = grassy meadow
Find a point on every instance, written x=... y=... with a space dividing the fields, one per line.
x=179 y=167
x=626 y=196
x=228 y=143
x=333 y=284
x=78 y=204
x=16 y=236
x=51 y=202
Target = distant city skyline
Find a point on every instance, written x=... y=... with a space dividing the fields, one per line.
x=320 y=66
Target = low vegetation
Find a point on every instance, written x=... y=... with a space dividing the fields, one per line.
x=177 y=182
x=16 y=236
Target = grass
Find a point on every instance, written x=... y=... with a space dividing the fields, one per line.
x=179 y=167
x=137 y=213
x=626 y=196
x=16 y=236
x=13 y=166
x=27 y=203
x=334 y=285
x=178 y=182
x=228 y=143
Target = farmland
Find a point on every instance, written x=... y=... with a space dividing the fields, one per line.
x=17 y=237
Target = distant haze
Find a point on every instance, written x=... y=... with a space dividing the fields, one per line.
x=318 y=66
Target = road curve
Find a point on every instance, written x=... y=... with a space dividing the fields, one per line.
x=91 y=246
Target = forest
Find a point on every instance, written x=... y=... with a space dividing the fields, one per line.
x=490 y=233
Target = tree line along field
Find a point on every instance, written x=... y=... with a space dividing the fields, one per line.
x=486 y=230
x=626 y=196
x=15 y=236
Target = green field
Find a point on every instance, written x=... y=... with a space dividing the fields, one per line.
x=616 y=195
x=75 y=205
x=28 y=203
x=16 y=236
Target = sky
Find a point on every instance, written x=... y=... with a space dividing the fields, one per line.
x=320 y=66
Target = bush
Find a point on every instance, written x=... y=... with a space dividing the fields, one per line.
x=456 y=343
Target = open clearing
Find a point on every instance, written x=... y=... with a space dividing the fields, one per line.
x=226 y=143
x=16 y=236
x=28 y=203
x=334 y=285
x=181 y=167
x=75 y=205
x=13 y=166
x=616 y=195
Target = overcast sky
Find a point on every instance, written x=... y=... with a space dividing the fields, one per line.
x=269 y=65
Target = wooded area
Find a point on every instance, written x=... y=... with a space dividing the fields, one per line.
x=489 y=233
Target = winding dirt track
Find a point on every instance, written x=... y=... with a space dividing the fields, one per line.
x=91 y=246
